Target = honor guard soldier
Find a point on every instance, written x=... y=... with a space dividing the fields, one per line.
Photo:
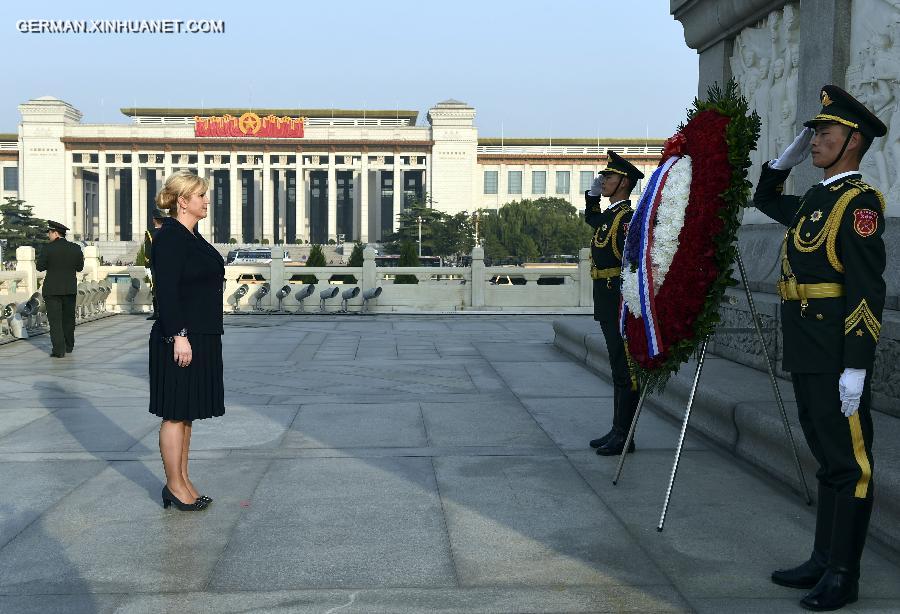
x=610 y=225
x=832 y=291
x=61 y=259
x=158 y=218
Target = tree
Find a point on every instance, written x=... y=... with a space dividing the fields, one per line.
x=356 y=256
x=408 y=257
x=444 y=235
x=316 y=259
x=18 y=227
x=530 y=229
x=356 y=260
x=141 y=258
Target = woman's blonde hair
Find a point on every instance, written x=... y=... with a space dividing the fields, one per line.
x=180 y=183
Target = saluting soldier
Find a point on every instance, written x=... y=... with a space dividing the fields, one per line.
x=61 y=259
x=158 y=218
x=832 y=291
x=610 y=225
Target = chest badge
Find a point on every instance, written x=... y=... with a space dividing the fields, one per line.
x=816 y=216
x=604 y=227
x=625 y=227
x=865 y=222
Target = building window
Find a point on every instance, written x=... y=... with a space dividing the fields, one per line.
x=490 y=182
x=538 y=182
x=585 y=180
x=11 y=178
x=562 y=182
x=515 y=182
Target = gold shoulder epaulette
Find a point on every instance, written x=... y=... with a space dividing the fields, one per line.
x=865 y=187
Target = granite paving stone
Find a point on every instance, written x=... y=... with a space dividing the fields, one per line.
x=401 y=464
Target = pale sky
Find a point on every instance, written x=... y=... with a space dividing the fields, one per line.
x=567 y=68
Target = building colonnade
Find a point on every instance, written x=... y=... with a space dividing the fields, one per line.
x=254 y=195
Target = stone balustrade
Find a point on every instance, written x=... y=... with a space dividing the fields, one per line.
x=105 y=289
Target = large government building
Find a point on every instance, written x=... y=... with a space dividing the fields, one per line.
x=286 y=175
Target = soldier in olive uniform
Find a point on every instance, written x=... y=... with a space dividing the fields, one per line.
x=832 y=291
x=615 y=182
x=158 y=218
x=61 y=260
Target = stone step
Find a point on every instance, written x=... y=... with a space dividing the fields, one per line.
x=735 y=408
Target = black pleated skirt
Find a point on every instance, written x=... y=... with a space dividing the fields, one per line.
x=194 y=392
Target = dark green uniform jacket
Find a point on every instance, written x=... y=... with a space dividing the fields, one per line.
x=148 y=246
x=834 y=236
x=610 y=227
x=61 y=259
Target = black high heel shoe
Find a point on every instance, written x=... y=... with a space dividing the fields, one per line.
x=205 y=499
x=169 y=499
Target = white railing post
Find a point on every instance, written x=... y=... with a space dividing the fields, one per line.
x=585 y=283
x=26 y=265
x=369 y=277
x=92 y=263
x=276 y=272
x=478 y=280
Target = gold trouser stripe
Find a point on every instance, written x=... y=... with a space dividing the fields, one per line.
x=859 y=451
x=605 y=273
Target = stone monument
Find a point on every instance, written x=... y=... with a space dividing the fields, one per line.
x=780 y=53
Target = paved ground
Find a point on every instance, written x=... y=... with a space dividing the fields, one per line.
x=373 y=465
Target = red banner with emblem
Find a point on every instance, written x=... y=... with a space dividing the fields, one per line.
x=249 y=125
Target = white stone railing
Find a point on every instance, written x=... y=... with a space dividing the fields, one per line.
x=23 y=312
x=560 y=288
x=104 y=289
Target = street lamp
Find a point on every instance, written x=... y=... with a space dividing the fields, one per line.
x=419 y=220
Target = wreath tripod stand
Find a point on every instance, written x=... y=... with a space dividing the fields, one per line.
x=687 y=414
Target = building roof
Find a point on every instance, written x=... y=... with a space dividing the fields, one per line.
x=587 y=142
x=236 y=111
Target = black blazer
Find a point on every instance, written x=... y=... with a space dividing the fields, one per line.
x=61 y=259
x=188 y=274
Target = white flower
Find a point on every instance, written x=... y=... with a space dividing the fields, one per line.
x=676 y=191
x=670 y=219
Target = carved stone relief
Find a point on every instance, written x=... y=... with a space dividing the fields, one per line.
x=873 y=76
x=765 y=62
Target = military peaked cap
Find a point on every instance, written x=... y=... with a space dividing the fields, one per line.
x=618 y=165
x=51 y=225
x=840 y=107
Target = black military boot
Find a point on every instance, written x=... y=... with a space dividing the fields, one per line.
x=616 y=444
x=839 y=585
x=596 y=443
x=808 y=574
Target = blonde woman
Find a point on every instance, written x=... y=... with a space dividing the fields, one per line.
x=186 y=382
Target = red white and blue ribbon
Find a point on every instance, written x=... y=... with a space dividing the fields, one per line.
x=637 y=253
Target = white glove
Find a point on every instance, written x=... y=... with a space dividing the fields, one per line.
x=851 y=387
x=796 y=152
x=597 y=186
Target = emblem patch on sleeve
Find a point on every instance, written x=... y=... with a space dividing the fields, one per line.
x=865 y=222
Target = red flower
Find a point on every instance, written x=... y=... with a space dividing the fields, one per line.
x=683 y=295
x=674 y=146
